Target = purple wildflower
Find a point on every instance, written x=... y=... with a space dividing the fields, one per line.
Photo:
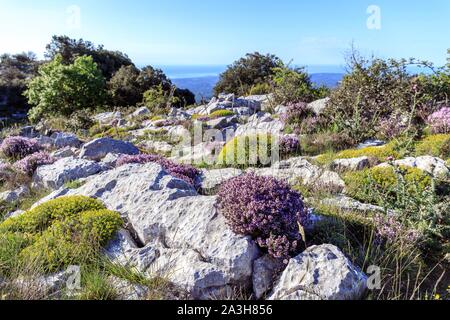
x=439 y=121
x=181 y=171
x=30 y=163
x=390 y=229
x=18 y=147
x=295 y=113
x=266 y=209
x=289 y=144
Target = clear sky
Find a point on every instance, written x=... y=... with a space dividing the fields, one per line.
x=196 y=32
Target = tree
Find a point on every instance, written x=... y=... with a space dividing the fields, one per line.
x=109 y=62
x=15 y=71
x=292 y=85
x=124 y=88
x=60 y=90
x=128 y=85
x=158 y=100
x=252 y=70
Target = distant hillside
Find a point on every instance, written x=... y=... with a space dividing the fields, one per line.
x=203 y=86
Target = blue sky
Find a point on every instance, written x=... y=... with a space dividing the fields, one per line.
x=195 y=32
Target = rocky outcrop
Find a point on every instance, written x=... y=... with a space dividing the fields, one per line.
x=212 y=179
x=353 y=164
x=320 y=273
x=97 y=149
x=65 y=170
x=182 y=232
x=434 y=166
x=319 y=106
x=14 y=195
x=299 y=170
x=264 y=272
x=275 y=127
x=62 y=140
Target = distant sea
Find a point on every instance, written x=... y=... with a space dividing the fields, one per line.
x=202 y=79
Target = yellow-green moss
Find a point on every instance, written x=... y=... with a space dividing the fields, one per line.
x=373 y=185
x=58 y=233
x=435 y=145
x=378 y=153
x=245 y=151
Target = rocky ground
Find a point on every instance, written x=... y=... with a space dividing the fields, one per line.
x=174 y=230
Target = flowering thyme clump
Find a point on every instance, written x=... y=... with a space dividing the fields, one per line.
x=439 y=121
x=266 y=209
x=289 y=144
x=18 y=147
x=181 y=171
x=30 y=163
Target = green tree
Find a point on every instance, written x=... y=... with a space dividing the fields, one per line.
x=158 y=100
x=291 y=85
x=252 y=70
x=60 y=90
x=109 y=62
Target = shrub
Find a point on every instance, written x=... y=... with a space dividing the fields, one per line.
x=252 y=70
x=260 y=89
x=266 y=209
x=60 y=90
x=41 y=217
x=221 y=113
x=315 y=144
x=61 y=232
x=16 y=148
x=248 y=150
x=30 y=163
x=434 y=145
x=181 y=171
x=439 y=121
x=368 y=184
x=158 y=101
x=293 y=85
x=377 y=88
x=296 y=113
x=393 y=126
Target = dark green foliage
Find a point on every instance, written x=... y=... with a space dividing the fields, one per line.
x=14 y=72
x=108 y=61
x=252 y=70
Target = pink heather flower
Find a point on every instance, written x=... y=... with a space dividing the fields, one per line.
x=181 y=171
x=295 y=113
x=30 y=163
x=18 y=147
x=266 y=209
x=390 y=229
x=439 y=121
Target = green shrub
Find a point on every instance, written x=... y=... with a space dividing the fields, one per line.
x=61 y=232
x=436 y=145
x=158 y=101
x=368 y=185
x=42 y=216
x=292 y=85
x=245 y=151
x=60 y=90
x=316 y=144
x=252 y=70
x=221 y=113
x=260 y=89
